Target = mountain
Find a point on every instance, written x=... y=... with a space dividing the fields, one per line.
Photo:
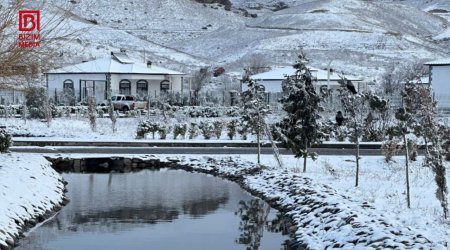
x=359 y=37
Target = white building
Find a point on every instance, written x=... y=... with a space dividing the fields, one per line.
x=440 y=81
x=272 y=79
x=145 y=81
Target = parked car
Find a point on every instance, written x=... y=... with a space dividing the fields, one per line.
x=125 y=103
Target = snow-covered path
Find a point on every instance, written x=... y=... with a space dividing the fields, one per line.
x=29 y=191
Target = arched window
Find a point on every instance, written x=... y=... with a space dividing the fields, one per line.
x=68 y=84
x=165 y=85
x=142 y=89
x=125 y=87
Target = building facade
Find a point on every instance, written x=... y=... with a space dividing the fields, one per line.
x=73 y=84
x=439 y=80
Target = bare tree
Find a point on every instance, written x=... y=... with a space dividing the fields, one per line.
x=198 y=81
x=22 y=66
x=397 y=75
x=256 y=64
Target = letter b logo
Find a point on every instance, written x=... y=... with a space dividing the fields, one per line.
x=29 y=20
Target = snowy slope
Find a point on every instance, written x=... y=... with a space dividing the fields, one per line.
x=360 y=37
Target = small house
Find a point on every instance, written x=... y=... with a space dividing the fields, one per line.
x=72 y=84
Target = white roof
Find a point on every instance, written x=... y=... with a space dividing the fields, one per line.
x=443 y=61
x=112 y=64
x=281 y=73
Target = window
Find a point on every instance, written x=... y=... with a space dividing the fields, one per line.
x=125 y=87
x=165 y=85
x=142 y=89
x=68 y=84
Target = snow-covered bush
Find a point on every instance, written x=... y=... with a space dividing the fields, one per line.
x=233 y=112
x=231 y=129
x=207 y=129
x=389 y=149
x=101 y=113
x=147 y=127
x=243 y=130
x=163 y=130
x=179 y=129
x=5 y=141
x=207 y=112
x=218 y=126
x=192 y=130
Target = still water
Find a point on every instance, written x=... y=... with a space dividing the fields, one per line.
x=165 y=209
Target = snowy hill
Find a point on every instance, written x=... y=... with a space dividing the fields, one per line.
x=358 y=37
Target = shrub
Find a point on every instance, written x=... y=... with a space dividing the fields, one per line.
x=147 y=127
x=232 y=126
x=192 y=130
x=206 y=129
x=101 y=113
x=243 y=130
x=179 y=129
x=5 y=141
x=389 y=149
x=206 y=112
x=162 y=131
x=233 y=112
x=218 y=126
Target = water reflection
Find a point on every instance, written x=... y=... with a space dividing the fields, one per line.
x=147 y=210
x=254 y=215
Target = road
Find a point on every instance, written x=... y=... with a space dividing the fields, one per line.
x=181 y=150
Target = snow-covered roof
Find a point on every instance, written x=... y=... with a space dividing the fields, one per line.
x=114 y=64
x=281 y=73
x=443 y=61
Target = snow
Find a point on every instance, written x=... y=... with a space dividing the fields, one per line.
x=325 y=205
x=443 y=61
x=29 y=188
x=323 y=202
x=111 y=65
x=281 y=73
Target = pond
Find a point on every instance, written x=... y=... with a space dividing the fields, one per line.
x=166 y=209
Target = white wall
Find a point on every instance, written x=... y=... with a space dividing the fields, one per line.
x=55 y=82
x=440 y=82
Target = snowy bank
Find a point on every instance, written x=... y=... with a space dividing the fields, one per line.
x=30 y=191
x=323 y=217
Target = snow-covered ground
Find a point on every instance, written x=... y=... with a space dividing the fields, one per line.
x=29 y=190
x=79 y=129
x=377 y=207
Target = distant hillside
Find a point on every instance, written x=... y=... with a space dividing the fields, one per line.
x=360 y=37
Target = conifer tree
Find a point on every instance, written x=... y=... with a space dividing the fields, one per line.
x=301 y=127
x=255 y=110
x=358 y=107
x=419 y=102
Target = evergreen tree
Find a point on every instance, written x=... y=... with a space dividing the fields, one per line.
x=301 y=127
x=358 y=107
x=255 y=110
x=419 y=102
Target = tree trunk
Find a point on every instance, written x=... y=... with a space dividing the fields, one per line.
x=305 y=156
x=357 y=161
x=408 y=197
x=258 y=132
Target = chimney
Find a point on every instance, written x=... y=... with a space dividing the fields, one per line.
x=112 y=53
x=149 y=64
